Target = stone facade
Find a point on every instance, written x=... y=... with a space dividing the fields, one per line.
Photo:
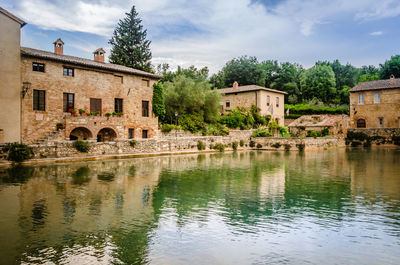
x=373 y=136
x=366 y=111
x=10 y=77
x=85 y=83
x=337 y=125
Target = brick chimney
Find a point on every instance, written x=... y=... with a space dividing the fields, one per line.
x=58 y=47
x=99 y=55
x=235 y=85
x=391 y=80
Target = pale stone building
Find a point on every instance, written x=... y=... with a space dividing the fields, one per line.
x=375 y=104
x=50 y=88
x=270 y=101
x=336 y=125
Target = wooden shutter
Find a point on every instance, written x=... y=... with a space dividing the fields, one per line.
x=95 y=104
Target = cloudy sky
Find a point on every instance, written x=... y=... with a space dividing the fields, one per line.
x=211 y=32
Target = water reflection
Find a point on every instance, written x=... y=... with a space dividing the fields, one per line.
x=246 y=207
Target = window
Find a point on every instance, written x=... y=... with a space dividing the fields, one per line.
x=131 y=133
x=361 y=123
x=118 y=102
x=95 y=105
x=377 y=98
x=277 y=101
x=145 y=82
x=145 y=108
x=68 y=101
x=38 y=67
x=360 y=99
x=39 y=99
x=68 y=71
x=380 y=122
x=145 y=134
x=227 y=104
x=268 y=100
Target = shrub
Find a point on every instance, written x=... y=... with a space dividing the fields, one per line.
x=216 y=130
x=220 y=147
x=81 y=146
x=261 y=132
x=356 y=136
x=314 y=134
x=287 y=147
x=241 y=143
x=276 y=145
x=167 y=127
x=301 y=146
x=306 y=109
x=234 y=145
x=238 y=118
x=132 y=143
x=201 y=145
x=355 y=144
x=18 y=152
x=59 y=126
x=81 y=111
x=325 y=132
x=108 y=114
x=252 y=144
x=259 y=145
x=292 y=116
x=192 y=123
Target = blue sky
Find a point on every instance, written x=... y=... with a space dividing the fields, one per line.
x=211 y=32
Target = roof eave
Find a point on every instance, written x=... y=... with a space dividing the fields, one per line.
x=13 y=17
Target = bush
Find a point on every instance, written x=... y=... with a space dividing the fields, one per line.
x=292 y=116
x=301 y=146
x=306 y=109
x=276 y=145
x=261 y=132
x=241 y=143
x=167 y=127
x=356 y=136
x=192 y=123
x=81 y=146
x=314 y=134
x=201 y=145
x=259 y=145
x=287 y=147
x=132 y=143
x=235 y=145
x=18 y=152
x=59 y=126
x=252 y=144
x=216 y=130
x=220 y=147
x=325 y=132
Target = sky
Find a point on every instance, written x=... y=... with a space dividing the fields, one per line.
x=212 y=32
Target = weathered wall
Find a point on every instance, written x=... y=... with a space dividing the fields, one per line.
x=388 y=108
x=281 y=143
x=85 y=84
x=10 y=83
x=375 y=136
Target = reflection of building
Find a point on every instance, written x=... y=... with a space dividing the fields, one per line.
x=270 y=101
x=375 y=104
x=272 y=183
x=53 y=87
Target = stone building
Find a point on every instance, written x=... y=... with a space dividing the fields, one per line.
x=89 y=99
x=375 y=104
x=336 y=125
x=10 y=77
x=270 y=101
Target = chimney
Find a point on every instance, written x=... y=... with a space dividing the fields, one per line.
x=235 y=85
x=58 y=47
x=391 y=80
x=99 y=55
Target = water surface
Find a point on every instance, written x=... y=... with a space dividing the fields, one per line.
x=329 y=207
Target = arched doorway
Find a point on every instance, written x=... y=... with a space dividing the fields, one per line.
x=80 y=133
x=361 y=123
x=106 y=135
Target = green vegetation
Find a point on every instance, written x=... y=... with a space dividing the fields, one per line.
x=219 y=146
x=276 y=145
x=234 y=145
x=201 y=145
x=261 y=132
x=252 y=144
x=307 y=109
x=59 y=126
x=167 y=127
x=18 y=152
x=158 y=101
x=132 y=143
x=81 y=146
x=287 y=147
x=301 y=147
x=259 y=145
x=241 y=143
x=216 y=130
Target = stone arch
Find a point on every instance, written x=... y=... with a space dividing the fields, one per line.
x=361 y=123
x=106 y=135
x=80 y=133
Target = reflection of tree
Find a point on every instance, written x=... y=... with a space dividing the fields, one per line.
x=39 y=213
x=81 y=175
x=17 y=174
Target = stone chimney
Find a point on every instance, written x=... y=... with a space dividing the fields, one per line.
x=58 y=47
x=391 y=80
x=99 y=55
x=235 y=85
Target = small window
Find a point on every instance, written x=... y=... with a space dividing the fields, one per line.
x=268 y=100
x=227 y=104
x=360 y=99
x=277 y=101
x=377 y=98
x=95 y=105
x=361 y=123
x=146 y=82
x=131 y=133
x=118 y=102
x=68 y=101
x=145 y=108
x=68 y=71
x=39 y=99
x=145 y=134
x=380 y=122
x=38 y=67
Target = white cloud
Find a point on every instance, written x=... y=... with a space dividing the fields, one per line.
x=376 y=33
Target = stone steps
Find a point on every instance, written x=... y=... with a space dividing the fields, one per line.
x=50 y=137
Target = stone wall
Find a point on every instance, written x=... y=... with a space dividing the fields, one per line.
x=375 y=136
x=292 y=143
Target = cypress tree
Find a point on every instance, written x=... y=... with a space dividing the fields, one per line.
x=129 y=45
x=158 y=101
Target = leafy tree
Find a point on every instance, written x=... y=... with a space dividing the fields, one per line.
x=129 y=45
x=369 y=77
x=391 y=67
x=271 y=69
x=191 y=72
x=370 y=69
x=158 y=101
x=288 y=79
x=319 y=81
x=345 y=75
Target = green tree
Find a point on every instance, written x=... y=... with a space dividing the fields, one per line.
x=191 y=72
x=129 y=45
x=158 y=101
x=288 y=79
x=319 y=81
x=345 y=75
x=391 y=67
x=369 y=77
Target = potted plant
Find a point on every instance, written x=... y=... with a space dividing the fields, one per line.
x=59 y=126
x=72 y=111
x=120 y=114
x=81 y=112
x=108 y=114
x=98 y=113
x=114 y=114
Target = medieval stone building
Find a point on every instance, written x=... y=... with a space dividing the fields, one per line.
x=88 y=99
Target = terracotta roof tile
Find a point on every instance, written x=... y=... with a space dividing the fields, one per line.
x=377 y=85
x=84 y=62
x=231 y=90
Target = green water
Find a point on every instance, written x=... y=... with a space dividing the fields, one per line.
x=327 y=207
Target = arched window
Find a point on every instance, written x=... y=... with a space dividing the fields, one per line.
x=361 y=123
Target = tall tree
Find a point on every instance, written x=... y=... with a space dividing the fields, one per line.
x=129 y=45
x=319 y=82
x=158 y=101
x=391 y=67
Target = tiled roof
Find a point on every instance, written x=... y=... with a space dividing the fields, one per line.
x=318 y=120
x=231 y=90
x=377 y=85
x=84 y=62
x=13 y=17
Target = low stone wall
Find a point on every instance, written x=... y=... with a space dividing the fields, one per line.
x=293 y=143
x=373 y=136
